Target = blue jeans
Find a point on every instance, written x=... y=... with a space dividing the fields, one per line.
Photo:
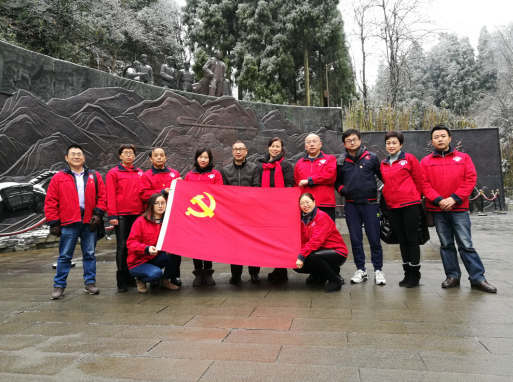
x=456 y=225
x=151 y=271
x=368 y=215
x=68 y=241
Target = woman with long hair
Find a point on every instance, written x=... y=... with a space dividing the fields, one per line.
x=203 y=172
x=276 y=172
x=145 y=262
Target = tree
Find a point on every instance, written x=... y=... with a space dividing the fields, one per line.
x=486 y=62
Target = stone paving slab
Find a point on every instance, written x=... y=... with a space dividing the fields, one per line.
x=266 y=332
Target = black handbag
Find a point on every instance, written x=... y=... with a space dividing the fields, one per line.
x=101 y=231
x=385 y=228
x=423 y=226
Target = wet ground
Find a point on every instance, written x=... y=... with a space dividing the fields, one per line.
x=264 y=332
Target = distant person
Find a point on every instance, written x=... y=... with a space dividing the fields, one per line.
x=124 y=206
x=133 y=72
x=448 y=179
x=323 y=250
x=357 y=170
x=158 y=180
x=315 y=173
x=147 y=78
x=204 y=172
x=402 y=190
x=276 y=172
x=144 y=260
x=240 y=172
x=74 y=209
x=168 y=74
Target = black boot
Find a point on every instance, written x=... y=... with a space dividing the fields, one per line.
x=414 y=276
x=255 y=277
x=198 y=280
x=333 y=286
x=120 y=279
x=279 y=275
x=129 y=279
x=407 y=274
x=207 y=277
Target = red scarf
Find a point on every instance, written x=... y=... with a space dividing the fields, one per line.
x=278 y=174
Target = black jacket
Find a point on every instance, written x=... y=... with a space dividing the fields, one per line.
x=356 y=177
x=247 y=175
x=286 y=168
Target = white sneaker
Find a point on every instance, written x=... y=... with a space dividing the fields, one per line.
x=379 y=278
x=359 y=276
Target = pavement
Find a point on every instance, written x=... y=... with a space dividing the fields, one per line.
x=261 y=332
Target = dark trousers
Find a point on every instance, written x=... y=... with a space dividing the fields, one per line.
x=405 y=224
x=151 y=271
x=125 y=223
x=237 y=270
x=330 y=211
x=325 y=263
x=368 y=215
x=174 y=265
x=202 y=264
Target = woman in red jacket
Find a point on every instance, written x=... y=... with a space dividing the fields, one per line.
x=276 y=172
x=402 y=190
x=323 y=250
x=144 y=260
x=204 y=172
x=124 y=206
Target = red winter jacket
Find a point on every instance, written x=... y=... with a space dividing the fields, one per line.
x=155 y=181
x=320 y=233
x=61 y=204
x=213 y=177
x=123 y=191
x=452 y=174
x=402 y=181
x=143 y=235
x=321 y=174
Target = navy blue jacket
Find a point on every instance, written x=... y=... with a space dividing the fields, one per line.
x=356 y=179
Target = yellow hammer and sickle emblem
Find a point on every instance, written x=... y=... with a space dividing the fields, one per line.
x=207 y=211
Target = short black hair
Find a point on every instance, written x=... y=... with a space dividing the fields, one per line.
x=150 y=154
x=350 y=132
x=239 y=141
x=308 y=195
x=439 y=127
x=395 y=134
x=74 y=146
x=200 y=151
x=127 y=146
x=277 y=139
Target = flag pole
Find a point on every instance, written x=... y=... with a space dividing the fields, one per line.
x=169 y=205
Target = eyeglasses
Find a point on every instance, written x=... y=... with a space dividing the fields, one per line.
x=160 y=204
x=305 y=203
x=77 y=155
x=352 y=140
x=239 y=150
x=128 y=153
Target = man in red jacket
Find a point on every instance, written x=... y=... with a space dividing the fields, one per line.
x=74 y=209
x=316 y=173
x=158 y=180
x=448 y=178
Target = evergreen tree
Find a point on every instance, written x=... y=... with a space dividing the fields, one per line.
x=486 y=62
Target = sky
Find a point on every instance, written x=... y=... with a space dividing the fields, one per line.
x=465 y=18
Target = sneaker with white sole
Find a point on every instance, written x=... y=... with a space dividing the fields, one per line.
x=359 y=276
x=379 y=278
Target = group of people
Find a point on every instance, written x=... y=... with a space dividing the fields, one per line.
x=135 y=202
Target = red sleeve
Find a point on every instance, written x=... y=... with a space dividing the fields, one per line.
x=52 y=202
x=416 y=173
x=133 y=242
x=101 y=201
x=146 y=191
x=468 y=184
x=112 y=185
x=219 y=178
x=296 y=174
x=427 y=190
x=320 y=233
x=328 y=174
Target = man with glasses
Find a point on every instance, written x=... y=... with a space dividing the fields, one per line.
x=241 y=173
x=74 y=206
x=315 y=173
x=357 y=170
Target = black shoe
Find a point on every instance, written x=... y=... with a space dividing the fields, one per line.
x=341 y=279
x=121 y=281
x=279 y=275
x=315 y=279
x=235 y=280
x=414 y=276
x=176 y=281
x=484 y=286
x=333 y=287
x=406 y=268
x=450 y=282
x=255 y=278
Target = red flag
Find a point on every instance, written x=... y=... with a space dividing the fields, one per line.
x=233 y=225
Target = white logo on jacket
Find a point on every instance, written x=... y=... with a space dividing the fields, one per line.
x=140 y=173
x=403 y=162
x=91 y=176
x=323 y=161
x=172 y=174
x=212 y=176
x=457 y=159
